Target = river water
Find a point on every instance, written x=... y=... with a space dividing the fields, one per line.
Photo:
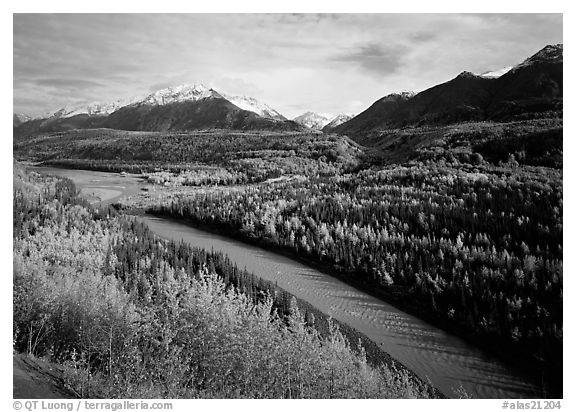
x=433 y=354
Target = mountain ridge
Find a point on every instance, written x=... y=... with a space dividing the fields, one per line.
x=336 y=121
x=171 y=108
x=532 y=88
x=20 y=118
x=312 y=120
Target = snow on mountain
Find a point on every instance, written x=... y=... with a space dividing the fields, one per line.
x=318 y=121
x=91 y=109
x=175 y=94
x=20 y=118
x=494 y=74
x=161 y=97
x=195 y=92
x=178 y=94
x=313 y=120
x=549 y=54
x=467 y=75
x=405 y=95
x=255 y=106
x=338 y=120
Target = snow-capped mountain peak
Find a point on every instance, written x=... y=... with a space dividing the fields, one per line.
x=313 y=120
x=169 y=95
x=467 y=75
x=318 y=121
x=494 y=74
x=338 y=120
x=392 y=97
x=255 y=106
x=22 y=117
x=549 y=54
x=407 y=94
x=92 y=109
x=19 y=118
x=177 y=94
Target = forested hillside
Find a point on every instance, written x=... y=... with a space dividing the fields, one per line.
x=478 y=247
x=132 y=316
x=464 y=228
x=193 y=201
x=247 y=156
x=536 y=142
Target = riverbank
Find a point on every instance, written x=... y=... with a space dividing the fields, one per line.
x=37 y=379
x=542 y=376
x=176 y=326
x=358 y=341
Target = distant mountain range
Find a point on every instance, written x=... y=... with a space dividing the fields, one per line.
x=312 y=120
x=195 y=108
x=185 y=107
x=20 y=118
x=531 y=89
x=324 y=122
x=336 y=121
x=255 y=106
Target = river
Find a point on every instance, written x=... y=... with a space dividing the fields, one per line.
x=433 y=354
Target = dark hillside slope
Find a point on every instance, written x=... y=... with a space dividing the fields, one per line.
x=59 y=124
x=377 y=115
x=463 y=98
x=531 y=90
x=535 y=86
x=210 y=113
x=460 y=99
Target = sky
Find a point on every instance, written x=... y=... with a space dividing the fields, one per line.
x=326 y=63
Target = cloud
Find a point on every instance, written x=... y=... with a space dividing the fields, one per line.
x=234 y=85
x=161 y=85
x=376 y=58
x=422 y=36
x=78 y=84
x=300 y=18
x=295 y=63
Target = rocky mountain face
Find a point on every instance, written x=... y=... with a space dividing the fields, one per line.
x=210 y=110
x=255 y=106
x=531 y=89
x=494 y=74
x=20 y=118
x=323 y=122
x=312 y=120
x=534 y=88
x=92 y=109
x=375 y=116
x=336 y=121
x=185 y=107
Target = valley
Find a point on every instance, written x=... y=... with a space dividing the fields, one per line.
x=406 y=338
x=429 y=226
